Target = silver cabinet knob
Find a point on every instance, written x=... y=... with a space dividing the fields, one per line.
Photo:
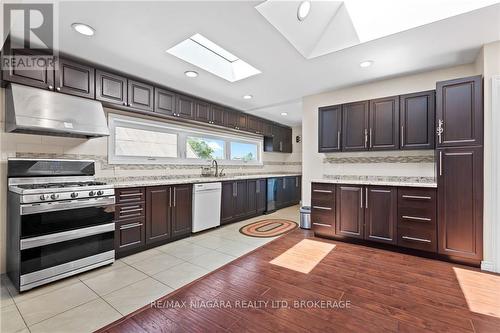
x=74 y=195
x=54 y=196
x=51 y=87
x=58 y=88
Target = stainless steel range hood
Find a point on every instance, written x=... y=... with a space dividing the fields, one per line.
x=37 y=111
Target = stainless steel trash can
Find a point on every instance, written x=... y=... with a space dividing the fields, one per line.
x=305 y=217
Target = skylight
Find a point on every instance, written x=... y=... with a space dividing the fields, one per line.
x=202 y=52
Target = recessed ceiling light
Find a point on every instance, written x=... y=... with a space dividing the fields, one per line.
x=284 y=114
x=303 y=10
x=191 y=73
x=366 y=63
x=84 y=29
x=247 y=97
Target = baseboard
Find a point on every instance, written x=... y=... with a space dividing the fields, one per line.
x=488 y=266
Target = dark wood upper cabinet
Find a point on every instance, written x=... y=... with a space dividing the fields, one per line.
x=110 y=88
x=383 y=133
x=242 y=120
x=231 y=119
x=287 y=140
x=185 y=107
x=165 y=102
x=330 y=129
x=459 y=112
x=202 y=112
x=381 y=212
x=19 y=73
x=140 y=96
x=158 y=203
x=460 y=202
x=181 y=210
x=267 y=129
x=417 y=115
x=75 y=79
x=217 y=115
x=355 y=126
x=349 y=211
x=255 y=125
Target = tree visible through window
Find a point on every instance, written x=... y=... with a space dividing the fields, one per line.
x=243 y=151
x=204 y=148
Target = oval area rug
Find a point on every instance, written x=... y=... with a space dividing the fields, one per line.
x=268 y=228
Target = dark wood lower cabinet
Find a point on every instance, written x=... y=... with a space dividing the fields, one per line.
x=350 y=211
x=381 y=212
x=182 y=213
x=445 y=222
x=158 y=204
x=151 y=216
x=460 y=202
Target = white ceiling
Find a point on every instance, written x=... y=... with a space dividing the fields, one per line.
x=133 y=37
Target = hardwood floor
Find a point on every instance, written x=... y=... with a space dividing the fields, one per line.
x=386 y=292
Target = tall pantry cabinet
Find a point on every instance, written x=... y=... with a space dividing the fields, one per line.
x=459 y=154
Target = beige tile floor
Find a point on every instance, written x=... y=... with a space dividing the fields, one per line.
x=91 y=300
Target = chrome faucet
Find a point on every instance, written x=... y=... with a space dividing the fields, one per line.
x=216 y=167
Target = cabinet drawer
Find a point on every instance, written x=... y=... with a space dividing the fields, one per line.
x=128 y=195
x=424 y=198
x=129 y=211
x=419 y=239
x=322 y=194
x=323 y=221
x=129 y=235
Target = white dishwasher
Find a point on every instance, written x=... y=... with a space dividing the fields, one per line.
x=206 y=206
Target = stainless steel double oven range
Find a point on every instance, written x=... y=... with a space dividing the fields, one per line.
x=60 y=220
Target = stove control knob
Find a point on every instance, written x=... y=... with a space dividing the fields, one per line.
x=44 y=197
x=91 y=193
x=54 y=196
x=100 y=192
x=74 y=195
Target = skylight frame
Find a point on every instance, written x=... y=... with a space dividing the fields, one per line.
x=199 y=51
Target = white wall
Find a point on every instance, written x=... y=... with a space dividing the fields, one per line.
x=13 y=144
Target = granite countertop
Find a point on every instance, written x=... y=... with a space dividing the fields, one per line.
x=154 y=181
x=380 y=180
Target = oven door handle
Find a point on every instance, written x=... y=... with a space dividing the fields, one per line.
x=66 y=205
x=38 y=241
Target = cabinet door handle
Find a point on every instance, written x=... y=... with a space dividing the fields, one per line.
x=321 y=208
x=402 y=135
x=361 y=199
x=416 y=218
x=366 y=197
x=440 y=163
x=415 y=197
x=440 y=130
x=257 y=186
x=128 y=226
x=322 y=191
x=296 y=181
x=366 y=138
x=338 y=140
x=174 y=196
x=234 y=189
x=50 y=87
x=169 y=197
x=371 y=141
x=322 y=224
x=416 y=239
